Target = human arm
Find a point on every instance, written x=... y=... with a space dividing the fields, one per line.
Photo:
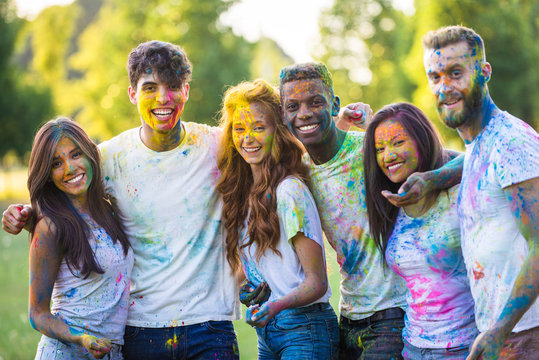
x=314 y=286
x=524 y=200
x=357 y=114
x=45 y=259
x=15 y=218
x=421 y=183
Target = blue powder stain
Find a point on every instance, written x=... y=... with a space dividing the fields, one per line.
x=71 y=292
x=185 y=152
x=351 y=184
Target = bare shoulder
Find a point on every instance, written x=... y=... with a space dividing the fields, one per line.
x=44 y=232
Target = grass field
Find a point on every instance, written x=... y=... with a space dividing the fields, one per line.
x=19 y=340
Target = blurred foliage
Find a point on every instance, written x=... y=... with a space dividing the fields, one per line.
x=80 y=52
x=375 y=51
x=24 y=104
x=71 y=60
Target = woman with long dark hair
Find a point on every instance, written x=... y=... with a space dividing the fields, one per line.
x=273 y=227
x=79 y=255
x=421 y=242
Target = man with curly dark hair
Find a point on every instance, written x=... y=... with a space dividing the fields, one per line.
x=162 y=176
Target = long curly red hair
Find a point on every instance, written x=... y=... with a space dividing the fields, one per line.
x=237 y=186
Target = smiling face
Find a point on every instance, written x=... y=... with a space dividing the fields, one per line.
x=160 y=106
x=71 y=170
x=396 y=151
x=456 y=76
x=307 y=110
x=252 y=133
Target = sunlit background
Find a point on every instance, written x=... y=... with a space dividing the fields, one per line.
x=68 y=57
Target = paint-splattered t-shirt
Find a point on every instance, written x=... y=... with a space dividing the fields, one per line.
x=98 y=304
x=426 y=252
x=173 y=220
x=297 y=213
x=338 y=187
x=505 y=152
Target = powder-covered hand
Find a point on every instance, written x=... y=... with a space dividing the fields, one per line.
x=249 y=295
x=488 y=345
x=97 y=347
x=414 y=189
x=259 y=316
x=357 y=114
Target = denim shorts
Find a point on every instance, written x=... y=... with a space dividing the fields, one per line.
x=306 y=333
x=368 y=339
x=207 y=340
x=54 y=349
x=410 y=352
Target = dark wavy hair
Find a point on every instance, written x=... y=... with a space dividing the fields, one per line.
x=237 y=186
x=70 y=230
x=382 y=214
x=167 y=60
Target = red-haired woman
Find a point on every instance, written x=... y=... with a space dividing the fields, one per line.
x=273 y=227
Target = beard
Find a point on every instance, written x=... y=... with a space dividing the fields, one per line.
x=471 y=108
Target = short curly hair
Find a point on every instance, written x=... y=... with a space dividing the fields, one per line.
x=167 y=60
x=306 y=71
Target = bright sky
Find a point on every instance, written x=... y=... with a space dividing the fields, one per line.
x=292 y=23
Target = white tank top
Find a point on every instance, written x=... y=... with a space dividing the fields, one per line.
x=98 y=304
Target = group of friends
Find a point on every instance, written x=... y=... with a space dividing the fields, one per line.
x=142 y=246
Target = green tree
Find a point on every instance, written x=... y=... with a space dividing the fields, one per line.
x=268 y=60
x=375 y=51
x=219 y=58
x=364 y=43
x=23 y=106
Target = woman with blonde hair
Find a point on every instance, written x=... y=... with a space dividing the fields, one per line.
x=273 y=227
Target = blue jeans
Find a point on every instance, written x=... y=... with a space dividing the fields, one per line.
x=306 y=333
x=207 y=340
x=371 y=340
x=410 y=352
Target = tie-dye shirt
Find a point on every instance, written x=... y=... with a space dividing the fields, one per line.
x=506 y=152
x=426 y=252
x=98 y=304
x=338 y=187
x=297 y=213
x=173 y=220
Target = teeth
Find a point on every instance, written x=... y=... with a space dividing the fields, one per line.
x=308 y=127
x=252 y=149
x=394 y=166
x=75 y=179
x=162 y=112
x=451 y=102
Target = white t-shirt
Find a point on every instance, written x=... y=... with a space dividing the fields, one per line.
x=173 y=220
x=338 y=187
x=297 y=213
x=506 y=152
x=426 y=252
x=98 y=304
